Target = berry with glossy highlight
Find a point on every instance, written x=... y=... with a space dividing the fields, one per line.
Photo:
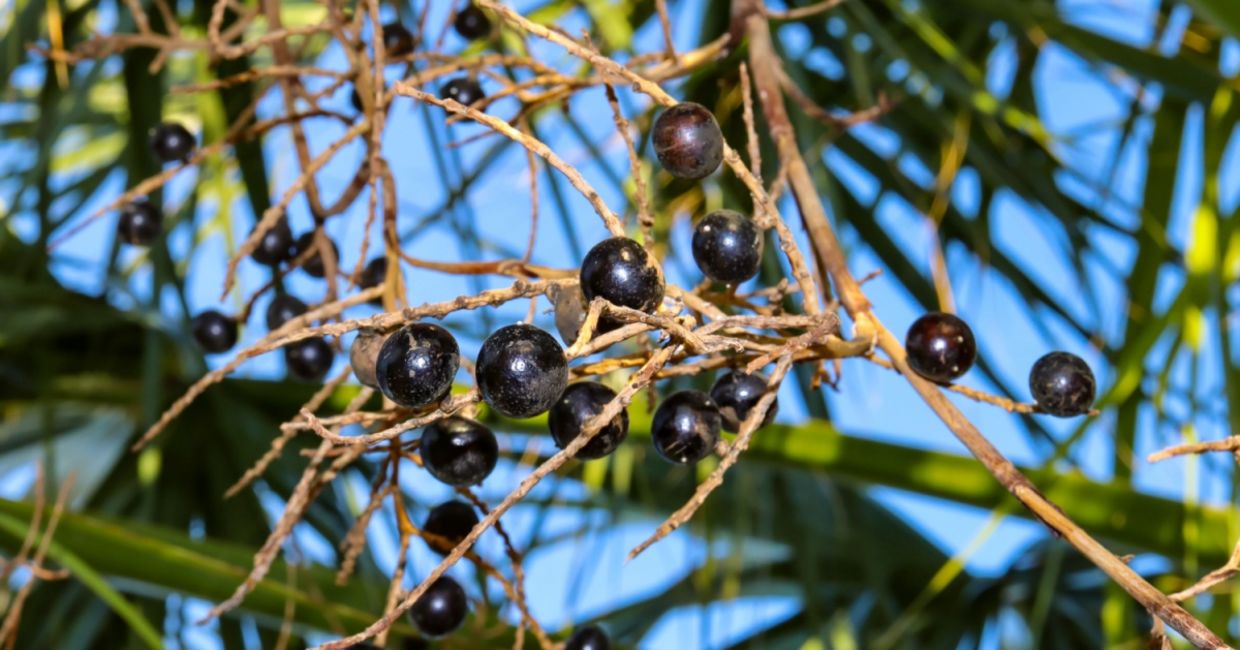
x=521 y=370
x=441 y=609
x=1062 y=384
x=621 y=272
x=458 y=451
x=590 y=637
x=417 y=364
x=727 y=246
x=736 y=393
x=171 y=142
x=471 y=23
x=140 y=223
x=275 y=246
x=687 y=141
x=463 y=89
x=214 y=331
x=398 y=41
x=282 y=309
x=686 y=426
x=309 y=359
x=940 y=347
x=451 y=521
x=579 y=403
x=314 y=265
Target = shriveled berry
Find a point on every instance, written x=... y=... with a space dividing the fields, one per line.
x=462 y=89
x=590 y=637
x=736 y=393
x=570 y=312
x=451 y=521
x=441 y=609
x=171 y=142
x=214 y=331
x=621 y=272
x=940 y=347
x=458 y=451
x=727 y=246
x=398 y=41
x=471 y=23
x=364 y=356
x=579 y=403
x=521 y=370
x=275 y=246
x=687 y=141
x=686 y=427
x=309 y=359
x=140 y=223
x=282 y=309
x=1062 y=384
x=417 y=365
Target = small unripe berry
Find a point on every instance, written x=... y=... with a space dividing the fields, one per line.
x=417 y=365
x=441 y=609
x=521 y=370
x=171 y=142
x=458 y=451
x=140 y=223
x=940 y=347
x=686 y=427
x=1062 y=384
x=736 y=393
x=687 y=141
x=727 y=246
x=214 y=331
x=579 y=403
x=621 y=272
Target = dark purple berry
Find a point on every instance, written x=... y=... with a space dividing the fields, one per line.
x=441 y=609
x=686 y=427
x=579 y=403
x=364 y=356
x=417 y=365
x=397 y=41
x=621 y=272
x=140 y=223
x=687 y=141
x=727 y=246
x=521 y=370
x=171 y=142
x=590 y=637
x=373 y=275
x=309 y=359
x=458 y=451
x=1062 y=384
x=451 y=521
x=736 y=393
x=462 y=89
x=471 y=23
x=314 y=265
x=214 y=331
x=275 y=246
x=282 y=309
x=940 y=347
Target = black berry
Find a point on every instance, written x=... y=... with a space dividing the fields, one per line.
x=140 y=223
x=275 y=246
x=397 y=41
x=686 y=427
x=451 y=521
x=462 y=89
x=309 y=359
x=364 y=356
x=727 y=246
x=282 y=309
x=373 y=275
x=621 y=272
x=521 y=370
x=687 y=141
x=417 y=365
x=579 y=403
x=735 y=394
x=471 y=23
x=441 y=609
x=590 y=637
x=214 y=331
x=171 y=142
x=458 y=451
x=940 y=347
x=314 y=264
x=1062 y=384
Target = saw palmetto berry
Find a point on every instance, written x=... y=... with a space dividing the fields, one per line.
x=171 y=142
x=275 y=246
x=1062 y=384
x=687 y=141
x=283 y=308
x=736 y=394
x=458 y=451
x=462 y=89
x=590 y=637
x=575 y=408
x=398 y=41
x=472 y=23
x=417 y=365
x=309 y=359
x=940 y=347
x=448 y=523
x=521 y=370
x=686 y=426
x=373 y=275
x=214 y=331
x=441 y=608
x=364 y=356
x=314 y=264
x=140 y=223
x=621 y=272
x=727 y=246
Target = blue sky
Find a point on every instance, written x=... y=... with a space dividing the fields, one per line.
x=1079 y=105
